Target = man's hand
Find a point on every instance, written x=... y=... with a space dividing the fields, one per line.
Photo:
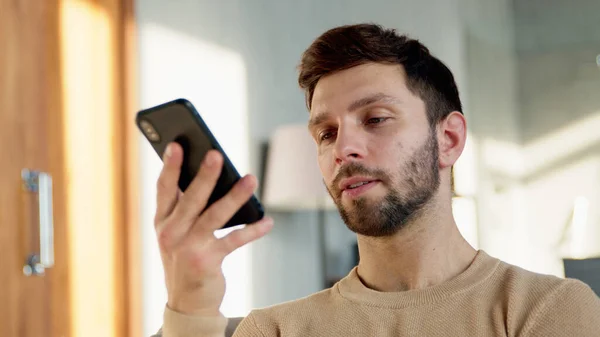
x=190 y=252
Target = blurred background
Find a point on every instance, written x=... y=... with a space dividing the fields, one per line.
x=77 y=179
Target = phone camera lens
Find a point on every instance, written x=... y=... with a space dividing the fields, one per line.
x=149 y=131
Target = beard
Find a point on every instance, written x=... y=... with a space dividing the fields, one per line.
x=406 y=197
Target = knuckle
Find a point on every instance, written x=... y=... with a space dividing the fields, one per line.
x=212 y=215
x=157 y=219
x=224 y=208
x=202 y=260
x=165 y=233
x=162 y=182
x=165 y=238
x=169 y=223
x=236 y=240
x=220 y=212
x=241 y=193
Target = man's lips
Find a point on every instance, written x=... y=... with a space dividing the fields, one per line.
x=355 y=190
x=354 y=182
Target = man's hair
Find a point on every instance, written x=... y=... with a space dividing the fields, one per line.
x=347 y=46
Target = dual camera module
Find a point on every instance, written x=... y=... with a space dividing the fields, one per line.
x=149 y=131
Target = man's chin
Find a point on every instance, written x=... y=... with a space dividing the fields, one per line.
x=360 y=215
x=356 y=209
x=370 y=229
x=368 y=217
x=368 y=203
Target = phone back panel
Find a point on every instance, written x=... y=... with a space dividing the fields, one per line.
x=178 y=121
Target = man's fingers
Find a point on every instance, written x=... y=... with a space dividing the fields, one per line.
x=249 y=233
x=194 y=199
x=167 y=188
x=223 y=209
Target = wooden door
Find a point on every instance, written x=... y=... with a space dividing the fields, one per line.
x=30 y=132
x=66 y=94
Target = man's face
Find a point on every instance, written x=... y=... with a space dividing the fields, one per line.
x=376 y=150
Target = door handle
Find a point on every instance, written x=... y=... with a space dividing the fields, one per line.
x=40 y=183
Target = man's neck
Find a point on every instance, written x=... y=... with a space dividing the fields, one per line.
x=426 y=253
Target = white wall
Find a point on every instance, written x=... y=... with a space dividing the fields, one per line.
x=559 y=85
x=213 y=78
x=493 y=117
x=264 y=39
x=533 y=87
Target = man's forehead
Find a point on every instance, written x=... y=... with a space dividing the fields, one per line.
x=360 y=100
x=357 y=82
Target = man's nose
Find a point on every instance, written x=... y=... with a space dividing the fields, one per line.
x=350 y=145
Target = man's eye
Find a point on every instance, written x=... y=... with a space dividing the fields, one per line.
x=326 y=135
x=376 y=120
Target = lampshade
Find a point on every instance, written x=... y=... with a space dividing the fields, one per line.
x=293 y=180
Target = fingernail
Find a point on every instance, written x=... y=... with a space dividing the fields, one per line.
x=247 y=181
x=209 y=159
x=267 y=222
x=169 y=151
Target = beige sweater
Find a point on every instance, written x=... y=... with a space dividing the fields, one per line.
x=490 y=298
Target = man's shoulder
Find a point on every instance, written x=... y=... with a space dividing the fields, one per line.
x=515 y=279
x=548 y=305
x=534 y=298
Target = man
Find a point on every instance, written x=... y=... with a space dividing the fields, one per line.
x=386 y=117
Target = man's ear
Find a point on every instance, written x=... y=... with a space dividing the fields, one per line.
x=452 y=135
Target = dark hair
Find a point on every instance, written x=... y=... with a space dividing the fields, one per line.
x=352 y=45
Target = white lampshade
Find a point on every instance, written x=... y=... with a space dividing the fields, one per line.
x=293 y=180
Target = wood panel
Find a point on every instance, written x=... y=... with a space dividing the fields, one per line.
x=129 y=318
x=98 y=77
x=74 y=120
x=30 y=127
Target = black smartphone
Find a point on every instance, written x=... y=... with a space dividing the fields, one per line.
x=178 y=121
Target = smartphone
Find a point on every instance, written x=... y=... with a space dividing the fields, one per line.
x=178 y=121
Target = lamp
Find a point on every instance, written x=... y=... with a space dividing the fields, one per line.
x=293 y=180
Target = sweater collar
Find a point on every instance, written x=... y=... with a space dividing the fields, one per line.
x=481 y=268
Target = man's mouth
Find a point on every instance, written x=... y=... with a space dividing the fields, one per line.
x=356 y=186
x=353 y=186
x=355 y=182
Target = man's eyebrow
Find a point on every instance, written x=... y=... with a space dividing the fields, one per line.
x=374 y=98
x=318 y=119
x=359 y=103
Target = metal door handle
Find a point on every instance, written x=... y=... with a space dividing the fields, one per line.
x=41 y=183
